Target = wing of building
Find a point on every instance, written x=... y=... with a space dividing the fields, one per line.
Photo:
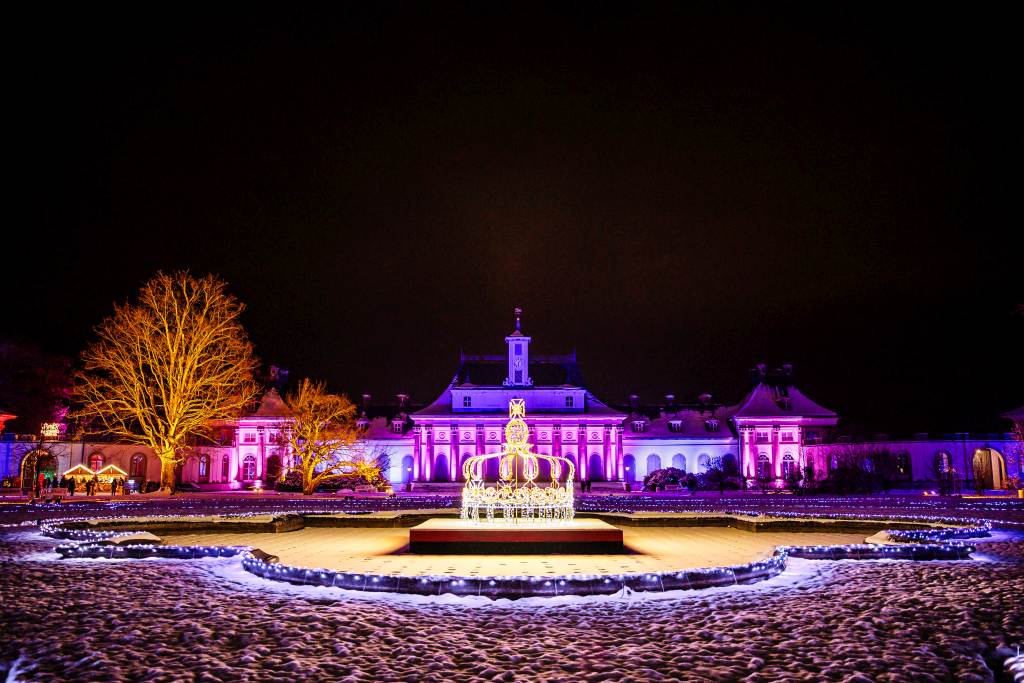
x=772 y=434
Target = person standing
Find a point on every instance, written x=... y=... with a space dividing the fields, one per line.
x=71 y=487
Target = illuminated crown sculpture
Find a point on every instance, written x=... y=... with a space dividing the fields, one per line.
x=517 y=496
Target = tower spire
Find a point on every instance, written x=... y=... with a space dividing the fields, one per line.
x=519 y=313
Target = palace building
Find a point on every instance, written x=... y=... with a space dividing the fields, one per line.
x=770 y=435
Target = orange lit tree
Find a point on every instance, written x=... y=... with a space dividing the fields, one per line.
x=167 y=364
x=324 y=437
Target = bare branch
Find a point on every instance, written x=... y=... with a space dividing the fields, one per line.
x=165 y=365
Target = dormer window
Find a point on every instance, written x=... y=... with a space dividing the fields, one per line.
x=398 y=426
x=711 y=424
x=786 y=403
x=675 y=425
x=569 y=401
x=639 y=426
x=467 y=401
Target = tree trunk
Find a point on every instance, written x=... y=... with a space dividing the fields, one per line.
x=167 y=465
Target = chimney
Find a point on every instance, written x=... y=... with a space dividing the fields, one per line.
x=403 y=400
x=670 y=399
x=366 y=401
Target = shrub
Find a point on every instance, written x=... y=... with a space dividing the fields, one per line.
x=659 y=478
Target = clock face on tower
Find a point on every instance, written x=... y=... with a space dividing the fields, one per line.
x=517 y=363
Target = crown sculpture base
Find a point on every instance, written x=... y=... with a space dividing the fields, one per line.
x=465 y=537
x=517 y=497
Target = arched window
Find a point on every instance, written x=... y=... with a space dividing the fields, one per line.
x=903 y=464
x=571 y=457
x=943 y=462
x=704 y=461
x=679 y=461
x=441 y=467
x=407 y=468
x=204 y=468
x=653 y=462
x=629 y=467
x=764 y=466
x=224 y=465
x=729 y=464
x=595 y=469
x=96 y=462
x=788 y=467
x=137 y=466
x=249 y=468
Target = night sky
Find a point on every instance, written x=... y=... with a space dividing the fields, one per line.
x=677 y=195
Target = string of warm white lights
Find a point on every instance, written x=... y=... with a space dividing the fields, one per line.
x=517 y=496
x=94 y=543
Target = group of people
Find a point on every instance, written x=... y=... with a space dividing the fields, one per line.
x=46 y=484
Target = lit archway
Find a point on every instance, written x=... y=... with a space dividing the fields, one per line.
x=989 y=469
x=39 y=461
x=629 y=467
x=441 y=467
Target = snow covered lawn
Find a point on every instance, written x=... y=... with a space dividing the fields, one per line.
x=206 y=620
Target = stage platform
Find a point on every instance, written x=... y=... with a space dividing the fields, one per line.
x=462 y=537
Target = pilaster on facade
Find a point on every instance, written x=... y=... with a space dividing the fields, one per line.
x=582 y=451
x=428 y=459
x=746 y=449
x=775 y=454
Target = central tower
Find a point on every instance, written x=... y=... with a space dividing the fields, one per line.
x=518 y=356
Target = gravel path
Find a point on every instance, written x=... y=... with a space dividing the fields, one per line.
x=168 y=620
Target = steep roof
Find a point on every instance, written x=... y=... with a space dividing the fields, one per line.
x=693 y=424
x=779 y=400
x=1017 y=415
x=545 y=371
x=272 y=405
x=442 y=405
x=380 y=428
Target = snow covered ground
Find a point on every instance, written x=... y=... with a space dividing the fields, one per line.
x=207 y=620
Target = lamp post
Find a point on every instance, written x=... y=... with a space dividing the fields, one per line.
x=408 y=480
x=626 y=484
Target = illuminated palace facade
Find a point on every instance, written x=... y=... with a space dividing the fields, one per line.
x=772 y=433
x=762 y=435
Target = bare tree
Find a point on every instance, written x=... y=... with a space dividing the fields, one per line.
x=167 y=364
x=323 y=434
